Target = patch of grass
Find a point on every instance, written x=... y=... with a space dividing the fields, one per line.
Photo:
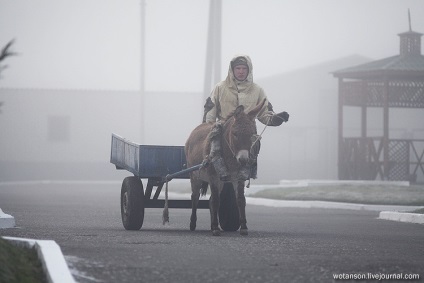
x=19 y=264
x=364 y=194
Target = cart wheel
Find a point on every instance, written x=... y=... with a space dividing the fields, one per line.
x=132 y=203
x=229 y=217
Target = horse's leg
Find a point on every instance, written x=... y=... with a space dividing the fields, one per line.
x=213 y=207
x=195 y=194
x=241 y=203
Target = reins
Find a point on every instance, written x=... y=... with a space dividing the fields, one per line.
x=259 y=137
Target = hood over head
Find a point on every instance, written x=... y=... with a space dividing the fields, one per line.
x=231 y=80
x=239 y=61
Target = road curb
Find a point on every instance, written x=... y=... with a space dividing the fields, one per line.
x=51 y=257
x=328 y=205
x=402 y=217
x=6 y=220
x=396 y=213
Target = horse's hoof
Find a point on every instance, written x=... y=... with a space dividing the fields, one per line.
x=243 y=232
x=192 y=226
x=216 y=232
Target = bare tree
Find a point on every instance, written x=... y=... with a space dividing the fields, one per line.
x=5 y=52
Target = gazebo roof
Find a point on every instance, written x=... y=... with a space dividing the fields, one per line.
x=402 y=65
x=409 y=63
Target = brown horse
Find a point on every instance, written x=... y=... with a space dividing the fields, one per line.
x=238 y=130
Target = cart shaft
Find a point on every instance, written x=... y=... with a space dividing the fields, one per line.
x=169 y=177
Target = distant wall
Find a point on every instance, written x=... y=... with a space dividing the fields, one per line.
x=67 y=132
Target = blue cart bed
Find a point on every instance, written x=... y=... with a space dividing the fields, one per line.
x=157 y=164
x=147 y=161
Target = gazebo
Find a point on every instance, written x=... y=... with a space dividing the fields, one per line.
x=394 y=82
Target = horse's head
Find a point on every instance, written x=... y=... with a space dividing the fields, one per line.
x=241 y=132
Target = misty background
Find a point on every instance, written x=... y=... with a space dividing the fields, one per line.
x=78 y=78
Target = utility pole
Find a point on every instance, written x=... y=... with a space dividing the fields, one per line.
x=213 y=49
x=142 y=67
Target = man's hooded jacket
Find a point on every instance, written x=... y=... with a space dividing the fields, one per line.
x=230 y=93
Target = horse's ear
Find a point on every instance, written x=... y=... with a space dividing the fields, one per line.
x=238 y=110
x=254 y=112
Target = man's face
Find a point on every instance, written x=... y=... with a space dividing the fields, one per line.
x=241 y=72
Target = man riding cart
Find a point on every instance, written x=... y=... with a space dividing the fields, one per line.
x=238 y=89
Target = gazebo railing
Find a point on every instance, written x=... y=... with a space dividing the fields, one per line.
x=401 y=93
x=363 y=159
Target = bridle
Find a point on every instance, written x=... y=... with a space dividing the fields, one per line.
x=230 y=143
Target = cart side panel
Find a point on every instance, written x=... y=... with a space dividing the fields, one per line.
x=159 y=161
x=125 y=154
x=147 y=161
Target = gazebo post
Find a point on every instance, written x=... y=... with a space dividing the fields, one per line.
x=363 y=169
x=364 y=112
x=364 y=121
x=340 y=130
x=386 y=129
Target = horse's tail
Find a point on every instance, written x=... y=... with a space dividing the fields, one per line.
x=204 y=188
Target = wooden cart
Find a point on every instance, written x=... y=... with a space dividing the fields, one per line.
x=159 y=164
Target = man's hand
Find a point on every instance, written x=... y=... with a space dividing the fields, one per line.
x=284 y=116
x=279 y=118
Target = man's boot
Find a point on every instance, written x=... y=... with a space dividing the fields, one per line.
x=254 y=152
x=254 y=170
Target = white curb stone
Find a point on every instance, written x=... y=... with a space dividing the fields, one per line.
x=402 y=217
x=327 y=204
x=312 y=183
x=6 y=220
x=51 y=257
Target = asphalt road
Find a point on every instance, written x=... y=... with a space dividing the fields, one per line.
x=283 y=245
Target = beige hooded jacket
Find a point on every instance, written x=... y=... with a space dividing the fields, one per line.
x=230 y=93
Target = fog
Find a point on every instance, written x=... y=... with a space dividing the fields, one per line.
x=95 y=44
x=78 y=75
